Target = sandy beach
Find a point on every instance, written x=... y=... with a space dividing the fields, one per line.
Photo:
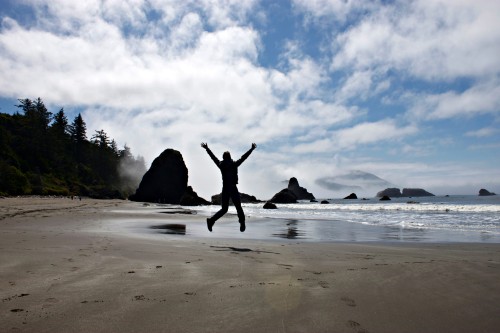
x=64 y=268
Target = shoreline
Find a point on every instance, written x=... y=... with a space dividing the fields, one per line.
x=64 y=268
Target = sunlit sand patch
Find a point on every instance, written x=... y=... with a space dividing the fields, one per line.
x=283 y=293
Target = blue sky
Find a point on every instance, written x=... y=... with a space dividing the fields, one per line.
x=406 y=90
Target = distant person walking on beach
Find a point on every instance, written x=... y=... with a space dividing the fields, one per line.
x=229 y=170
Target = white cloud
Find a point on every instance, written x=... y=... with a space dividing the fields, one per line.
x=483 y=132
x=358 y=135
x=357 y=85
x=340 y=10
x=367 y=133
x=479 y=99
x=427 y=39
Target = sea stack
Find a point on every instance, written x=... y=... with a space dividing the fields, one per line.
x=166 y=181
x=300 y=192
x=484 y=193
x=292 y=193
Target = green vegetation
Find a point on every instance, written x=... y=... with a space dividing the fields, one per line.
x=42 y=154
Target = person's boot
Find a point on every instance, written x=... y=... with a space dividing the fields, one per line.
x=210 y=224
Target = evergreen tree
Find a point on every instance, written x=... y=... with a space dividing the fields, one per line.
x=60 y=125
x=114 y=147
x=35 y=141
x=61 y=144
x=43 y=115
x=100 y=138
x=78 y=130
x=27 y=106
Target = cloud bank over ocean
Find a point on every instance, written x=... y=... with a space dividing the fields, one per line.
x=408 y=91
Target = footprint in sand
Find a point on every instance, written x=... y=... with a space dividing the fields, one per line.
x=356 y=326
x=353 y=324
x=324 y=284
x=348 y=301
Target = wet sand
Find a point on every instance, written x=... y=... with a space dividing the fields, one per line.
x=65 y=268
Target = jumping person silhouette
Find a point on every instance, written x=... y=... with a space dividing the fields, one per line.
x=229 y=170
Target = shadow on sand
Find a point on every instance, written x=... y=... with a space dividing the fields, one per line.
x=171 y=229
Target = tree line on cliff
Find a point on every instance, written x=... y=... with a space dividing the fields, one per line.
x=42 y=153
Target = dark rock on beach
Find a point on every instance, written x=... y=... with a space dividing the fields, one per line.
x=351 y=196
x=385 y=198
x=269 y=205
x=325 y=202
x=484 y=193
x=245 y=198
x=191 y=198
x=284 y=196
x=166 y=181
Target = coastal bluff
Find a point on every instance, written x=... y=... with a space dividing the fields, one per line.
x=407 y=192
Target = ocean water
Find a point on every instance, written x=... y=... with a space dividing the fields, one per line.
x=424 y=219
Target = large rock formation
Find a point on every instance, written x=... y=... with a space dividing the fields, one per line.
x=483 y=193
x=351 y=196
x=191 y=198
x=292 y=193
x=416 y=192
x=300 y=192
x=284 y=196
x=407 y=192
x=390 y=192
x=245 y=198
x=166 y=181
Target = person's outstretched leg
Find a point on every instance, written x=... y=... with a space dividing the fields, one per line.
x=235 y=196
x=224 y=207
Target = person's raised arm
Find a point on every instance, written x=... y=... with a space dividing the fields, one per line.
x=245 y=155
x=212 y=156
